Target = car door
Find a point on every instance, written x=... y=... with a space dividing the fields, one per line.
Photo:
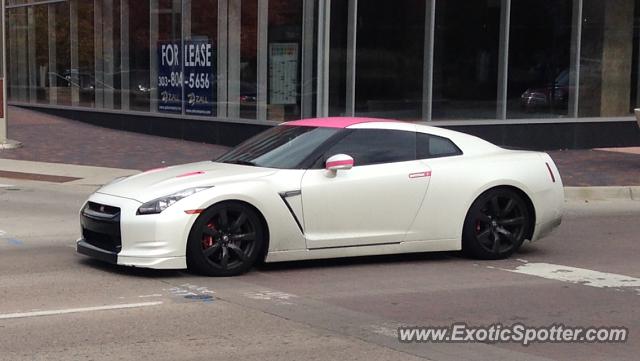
x=372 y=203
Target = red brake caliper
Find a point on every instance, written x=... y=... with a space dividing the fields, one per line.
x=207 y=240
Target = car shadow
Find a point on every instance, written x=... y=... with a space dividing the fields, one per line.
x=431 y=257
x=356 y=261
x=131 y=271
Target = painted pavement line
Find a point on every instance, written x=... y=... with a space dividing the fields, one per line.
x=77 y=310
x=576 y=275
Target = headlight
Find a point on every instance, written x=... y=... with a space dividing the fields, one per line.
x=160 y=204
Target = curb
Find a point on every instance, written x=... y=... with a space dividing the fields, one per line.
x=10 y=144
x=627 y=193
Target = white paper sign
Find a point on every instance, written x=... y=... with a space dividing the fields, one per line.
x=283 y=73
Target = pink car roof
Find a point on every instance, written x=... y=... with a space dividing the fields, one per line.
x=334 y=122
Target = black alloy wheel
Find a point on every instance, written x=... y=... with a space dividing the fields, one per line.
x=226 y=240
x=496 y=225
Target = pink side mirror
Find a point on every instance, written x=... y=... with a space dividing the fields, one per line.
x=339 y=162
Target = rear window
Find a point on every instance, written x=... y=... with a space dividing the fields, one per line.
x=433 y=146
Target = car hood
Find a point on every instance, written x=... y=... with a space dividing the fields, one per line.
x=161 y=182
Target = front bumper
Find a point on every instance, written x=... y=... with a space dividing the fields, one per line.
x=85 y=248
x=121 y=237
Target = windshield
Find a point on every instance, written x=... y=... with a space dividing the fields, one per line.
x=282 y=147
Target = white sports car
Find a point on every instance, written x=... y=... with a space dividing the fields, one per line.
x=325 y=188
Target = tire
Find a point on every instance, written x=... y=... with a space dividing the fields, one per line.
x=226 y=240
x=496 y=225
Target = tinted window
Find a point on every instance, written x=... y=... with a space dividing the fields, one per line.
x=375 y=146
x=432 y=146
x=283 y=147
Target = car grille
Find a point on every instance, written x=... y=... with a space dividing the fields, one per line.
x=101 y=226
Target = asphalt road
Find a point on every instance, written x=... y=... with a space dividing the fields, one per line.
x=55 y=304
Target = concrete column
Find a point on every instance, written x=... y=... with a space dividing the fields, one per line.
x=186 y=19
x=617 y=52
x=308 y=48
x=606 y=55
x=21 y=24
x=13 y=64
x=263 y=54
x=427 y=66
x=51 y=26
x=235 y=13
x=222 y=58
x=322 y=65
x=73 y=45
x=31 y=54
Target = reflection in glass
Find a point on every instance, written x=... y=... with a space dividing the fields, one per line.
x=390 y=49
x=539 y=52
x=465 y=71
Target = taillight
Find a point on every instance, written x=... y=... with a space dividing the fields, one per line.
x=553 y=178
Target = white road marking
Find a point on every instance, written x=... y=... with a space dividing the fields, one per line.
x=581 y=276
x=281 y=298
x=77 y=310
x=5 y=185
x=153 y=295
x=384 y=330
x=2 y=233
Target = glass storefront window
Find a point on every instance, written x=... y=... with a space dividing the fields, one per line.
x=18 y=74
x=284 y=59
x=42 y=53
x=203 y=28
x=465 y=69
x=338 y=57
x=249 y=59
x=105 y=54
x=539 y=57
x=389 y=59
x=63 y=55
x=139 y=65
x=86 y=77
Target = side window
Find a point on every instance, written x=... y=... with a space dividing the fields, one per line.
x=375 y=146
x=433 y=146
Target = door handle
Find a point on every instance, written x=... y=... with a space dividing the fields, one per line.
x=420 y=174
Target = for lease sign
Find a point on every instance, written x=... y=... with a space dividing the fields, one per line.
x=199 y=84
x=186 y=78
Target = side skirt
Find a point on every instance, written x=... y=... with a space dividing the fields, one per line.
x=369 y=250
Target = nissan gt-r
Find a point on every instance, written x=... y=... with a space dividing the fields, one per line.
x=326 y=188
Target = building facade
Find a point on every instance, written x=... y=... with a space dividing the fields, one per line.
x=535 y=74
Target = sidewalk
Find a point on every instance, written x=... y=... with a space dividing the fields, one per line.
x=52 y=139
